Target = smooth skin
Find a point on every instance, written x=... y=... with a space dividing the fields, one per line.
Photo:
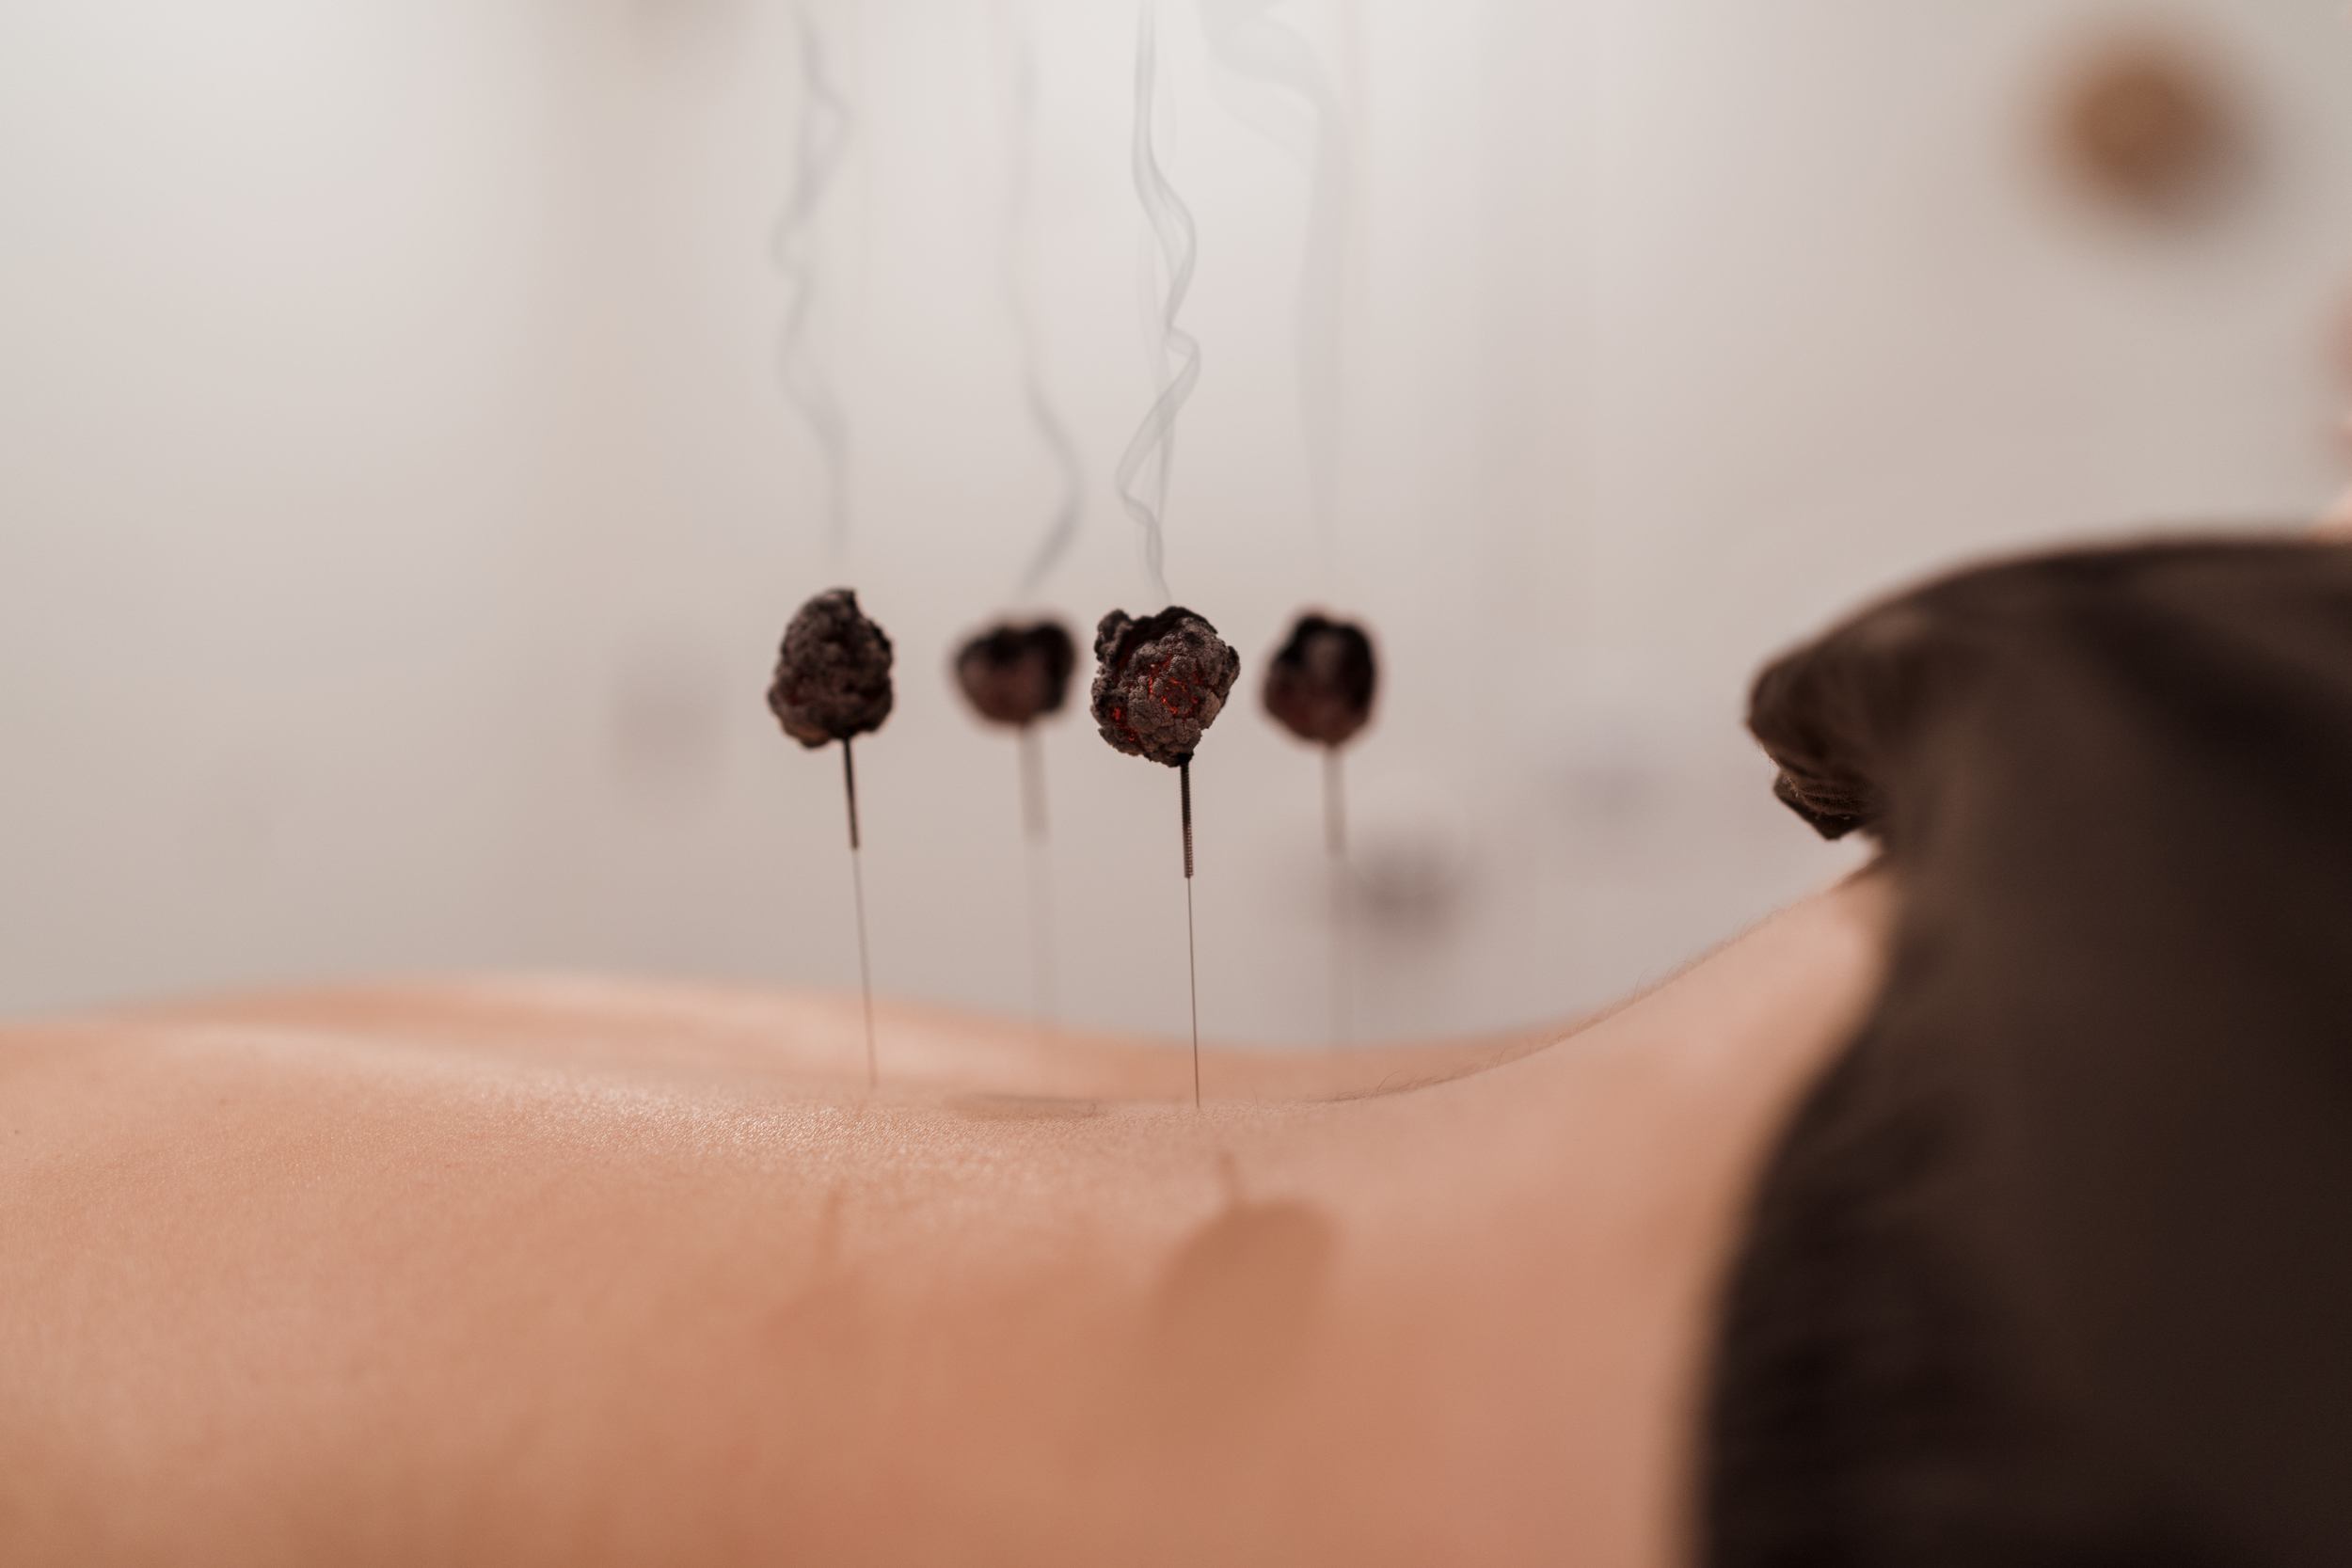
x=585 y=1271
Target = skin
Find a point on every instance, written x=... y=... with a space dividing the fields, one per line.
x=582 y=1271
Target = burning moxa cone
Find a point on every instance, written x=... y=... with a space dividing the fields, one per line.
x=833 y=682
x=1016 y=676
x=1319 y=686
x=1159 y=684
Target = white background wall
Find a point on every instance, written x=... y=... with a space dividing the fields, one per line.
x=398 y=509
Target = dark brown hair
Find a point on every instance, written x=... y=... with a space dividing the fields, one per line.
x=2052 y=1265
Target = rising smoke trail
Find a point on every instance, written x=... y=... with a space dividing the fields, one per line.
x=1246 y=39
x=1051 y=433
x=1145 y=493
x=825 y=138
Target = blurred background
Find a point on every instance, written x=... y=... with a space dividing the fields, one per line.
x=401 y=499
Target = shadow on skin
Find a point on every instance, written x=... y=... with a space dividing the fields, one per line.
x=831 y=1307
x=1236 y=1310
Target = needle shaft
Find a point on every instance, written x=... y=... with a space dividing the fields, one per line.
x=1192 y=948
x=1032 y=784
x=1041 y=881
x=1335 y=845
x=857 y=885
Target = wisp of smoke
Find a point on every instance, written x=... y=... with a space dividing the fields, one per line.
x=1143 y=467
x=825 y=138
x=1246 y=39
x=1047 y=421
